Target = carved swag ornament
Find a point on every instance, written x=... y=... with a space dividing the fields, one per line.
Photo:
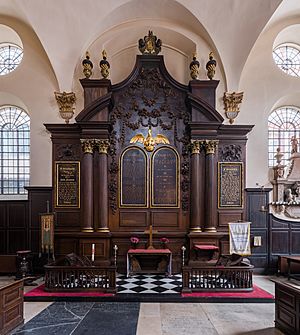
x=149 y=102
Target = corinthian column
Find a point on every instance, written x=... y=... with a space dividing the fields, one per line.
x=210 y=185
x=196 y=188
x=87 y=185
x=102 y=146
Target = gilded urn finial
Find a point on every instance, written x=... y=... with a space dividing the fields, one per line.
x=149 y=141
x=104 y=65
x=150 y=45
x=87 y=66
x=211 y=66
x=194 y=67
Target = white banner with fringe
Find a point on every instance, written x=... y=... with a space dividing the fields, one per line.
x=239 y=238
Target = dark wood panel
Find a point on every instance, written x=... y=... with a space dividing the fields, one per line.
x=263 y=249
x=38 y=198
x=279 y=224
x=165 y=219
x=260 y=262
x=225 y=217
x=17 y=215
x=295 y=242
x=68 y=220
x=17 y=240
x=133 y=219
x=2 y=215
x=34 y=240
x=280 y=242
x=64 y=246
x=3 y=241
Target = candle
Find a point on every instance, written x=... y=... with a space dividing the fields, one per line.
x=93 y=252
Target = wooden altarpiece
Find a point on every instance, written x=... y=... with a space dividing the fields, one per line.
x=116 y=199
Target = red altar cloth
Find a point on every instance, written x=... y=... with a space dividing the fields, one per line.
x=205 y=247
x=149 y=251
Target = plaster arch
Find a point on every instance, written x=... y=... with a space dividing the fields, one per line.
x=121 y=44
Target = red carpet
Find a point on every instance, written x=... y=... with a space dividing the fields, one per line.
x=39 y=292
x=257 y=293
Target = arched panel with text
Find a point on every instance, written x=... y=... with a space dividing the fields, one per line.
x=133 y=178
x=165 y=178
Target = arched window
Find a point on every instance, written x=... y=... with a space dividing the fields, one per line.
x=283 y=123
x=11 y=56
x=14 y=150
x=287 y=58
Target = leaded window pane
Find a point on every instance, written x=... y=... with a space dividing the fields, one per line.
x=14 y=150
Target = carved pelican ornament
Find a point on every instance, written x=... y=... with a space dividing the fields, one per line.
x=149 y=141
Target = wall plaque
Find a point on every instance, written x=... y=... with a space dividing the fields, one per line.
x=230 y=185
x=133 y=178
x=67 y=184
x=165 y=178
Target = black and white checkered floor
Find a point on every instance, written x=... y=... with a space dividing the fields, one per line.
x=151 y=284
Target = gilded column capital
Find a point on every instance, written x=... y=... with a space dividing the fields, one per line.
x=210 y=146
x=195 y=147
x=102 y=146
x=87 y=146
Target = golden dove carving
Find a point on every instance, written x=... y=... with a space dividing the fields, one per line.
x=149 y=141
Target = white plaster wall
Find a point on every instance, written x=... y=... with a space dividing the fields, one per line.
x=266 y=88
x=31 y=87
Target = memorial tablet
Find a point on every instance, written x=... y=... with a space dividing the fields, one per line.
x=67 y=184
x=165 y=184
x=230 y=185
x=133 y=178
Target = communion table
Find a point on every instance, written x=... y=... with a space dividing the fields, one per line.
x=153 y=261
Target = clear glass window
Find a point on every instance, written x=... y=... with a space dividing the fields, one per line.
x=287 y=58
x=14 y=150
x=283 y=123
x=10 y=57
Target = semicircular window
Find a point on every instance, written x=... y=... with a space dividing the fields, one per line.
x=11 y=56
x=283 y=124
x=287 y=58
x=14 y=150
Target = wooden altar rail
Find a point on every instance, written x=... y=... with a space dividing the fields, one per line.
x=80 y=278
x=217 y=278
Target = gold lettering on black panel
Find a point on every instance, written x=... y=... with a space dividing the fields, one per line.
x=133 y=178
x=67 y=184
x=165 y=178
x=230 y=185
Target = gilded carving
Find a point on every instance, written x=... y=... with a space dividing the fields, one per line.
x=87 y=66
x=104 y=65
x=195 y=147
x=211 y=66
x=102 y=146
x=87 y=146
x=150 y=44
x=149 y=141
x=65 y=103
x=232 y=103
x=194 y=67
x=210 y=146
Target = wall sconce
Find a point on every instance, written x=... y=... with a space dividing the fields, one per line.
x=231 y=104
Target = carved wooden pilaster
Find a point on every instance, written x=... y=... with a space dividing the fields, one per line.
x=195 y=187
x=102 y=147
x=210 y=147
x=87 y=185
